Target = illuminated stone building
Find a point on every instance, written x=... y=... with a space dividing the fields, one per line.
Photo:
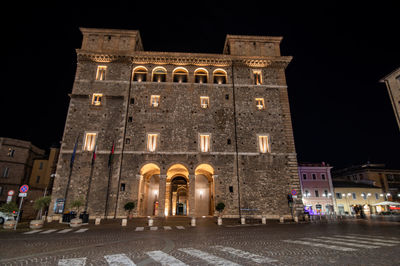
x=392 y=82
x=190 y=130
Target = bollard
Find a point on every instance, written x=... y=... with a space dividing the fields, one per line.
x=124 y=222
x=307 y=218
x=263 y=220
x=97 y=222
x=150 y=221
x=243 y=220
x=219 y=221
x=281 y=220
x=193 y=222
x=296 y=219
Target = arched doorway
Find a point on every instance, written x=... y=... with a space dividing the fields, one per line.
x=149 y=190
x=204 y=196
x=179 y=195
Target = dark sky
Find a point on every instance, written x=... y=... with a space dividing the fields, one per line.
x=341 y=113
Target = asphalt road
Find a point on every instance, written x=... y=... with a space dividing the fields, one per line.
x=339 y=243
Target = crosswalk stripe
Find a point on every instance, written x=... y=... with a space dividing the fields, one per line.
x=32 y=232
x=337 y=241
x=48 y=231
x=81 y=230
x=363 y=241
x=377 y=237
x=72 y=262
x=245 y=254
x=319 y=245
x=139 y=229
x=370 y=239
x=164 y=258
x=167 y=228
x=64 y=231
x=180 y=227
x=119 y=260
x=154 y=228
x=211 y=259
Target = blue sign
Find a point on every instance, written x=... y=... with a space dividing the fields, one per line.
x=24 y=189
x=294 y=192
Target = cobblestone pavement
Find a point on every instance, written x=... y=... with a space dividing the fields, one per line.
x=339 y=243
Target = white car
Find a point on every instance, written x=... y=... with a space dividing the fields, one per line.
x=5 y=217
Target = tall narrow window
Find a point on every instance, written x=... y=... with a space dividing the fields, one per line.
x=96 y=99
x=155 y=100
x=180 y=75
x=204 y=142
x=152 y=142
x=219 y=76
x=90 y=140
x=257 y=77
x=204 y=101
x=101 y=73
x=316 y=193
x=6 y=172
x=139 y=74
x=263 y=143
x=11 y=152
x=159 y=74
x=200 y=75
x=260 y=103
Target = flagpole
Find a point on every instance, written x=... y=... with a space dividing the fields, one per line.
x=109 y=179
x=71 y=166
x=90 y=176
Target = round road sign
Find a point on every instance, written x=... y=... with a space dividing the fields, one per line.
x=24 y=188
x=11 y=192
x=294 y=192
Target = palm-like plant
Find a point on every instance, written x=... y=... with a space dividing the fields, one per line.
x=40 y=204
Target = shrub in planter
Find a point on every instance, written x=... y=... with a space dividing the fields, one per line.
x=9 y=224
x=76 y=204
x=129 y=206
x=39 y=205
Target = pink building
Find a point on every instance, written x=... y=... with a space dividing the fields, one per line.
x=317 y=188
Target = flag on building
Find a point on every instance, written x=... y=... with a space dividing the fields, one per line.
x=71 y=164
x=94 y=152
x=110 y=159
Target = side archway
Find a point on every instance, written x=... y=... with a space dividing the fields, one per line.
x=205 y=190
x=149 y=186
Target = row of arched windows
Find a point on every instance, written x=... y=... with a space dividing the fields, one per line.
x=179 y=75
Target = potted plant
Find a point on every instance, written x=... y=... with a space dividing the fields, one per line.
x=6 y=215
x=220 y=208
x=39 y=205
x=76 y=205
x=129 y=206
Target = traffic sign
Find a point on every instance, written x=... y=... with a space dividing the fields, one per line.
x=22 y=195
x=11 y=192
x=294 y=192
x=24 y=188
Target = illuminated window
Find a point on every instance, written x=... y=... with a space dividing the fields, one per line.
x=260 y=103
x=139 y=74
x=219 y=76
x=263 y=142
x=257 y=77
x=204 y=101
x=155 y=100
x=101 y=73
x=204 y=142
x=152 y=142
x=159 y=74
x=96 y=99
x=200 y=75
x=11 y=152
x=6 y=172
x=180 y=75
x=90 y=140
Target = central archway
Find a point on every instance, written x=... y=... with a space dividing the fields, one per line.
x=177 y=190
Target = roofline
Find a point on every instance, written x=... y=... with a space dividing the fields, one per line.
x=389 y=75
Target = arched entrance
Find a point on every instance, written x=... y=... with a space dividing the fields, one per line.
x=179 y=195
x=149 y=190
x=204 y=196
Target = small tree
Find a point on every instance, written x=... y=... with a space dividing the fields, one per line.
x=220 y=207
x=9 y=207
x=77 y=204
x=129 y=206
x=40 y=204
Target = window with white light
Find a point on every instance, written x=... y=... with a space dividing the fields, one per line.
x=205 y=142
x=96 y=99
x=101 y=73
x=260 y=103
x=152 y=141
x=257 y=77
x=139 y=74
x=219 y=76
x=90 y=140
x=200 y=75
x=155 y=100
x=204 y=102
x=263 y=143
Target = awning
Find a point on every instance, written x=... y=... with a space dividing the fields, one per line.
x=385 y=203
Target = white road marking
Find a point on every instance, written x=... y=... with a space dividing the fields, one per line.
x=119 y=260
x=72 y=262
x=154 y=228
x=164 y=258
x=377 y=237
x=319 y=245
x=330 y=240
x=167 y=228
x=180 y=227
x=245 y=254
x=48 y=231
x=81 y=230
x=211 y=259
x=369 y=240
x=64 y=231
x=32 y=232
x=139 y=229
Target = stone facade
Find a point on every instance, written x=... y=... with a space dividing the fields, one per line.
x=177 y=153
x=392 y=82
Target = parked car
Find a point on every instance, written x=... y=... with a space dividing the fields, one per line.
x=5 y=217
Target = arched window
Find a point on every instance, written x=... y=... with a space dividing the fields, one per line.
x=159 y=74
x=139 y=74
x=219 y=76
x=200 y=75
x=180 y=75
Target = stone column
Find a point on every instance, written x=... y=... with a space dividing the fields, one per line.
x=192 y=195
x=139 y=204
x=161 y=196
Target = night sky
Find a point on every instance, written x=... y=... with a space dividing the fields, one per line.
x=341 y=113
